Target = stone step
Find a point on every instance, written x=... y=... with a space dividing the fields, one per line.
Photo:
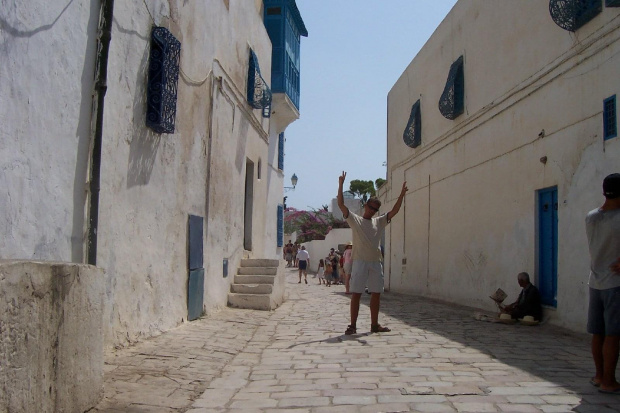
x=254 y=279
x=250 y=301
x=257 y=270
x=251 y=288
x=259 y=262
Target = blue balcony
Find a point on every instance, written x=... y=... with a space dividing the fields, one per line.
x=285 y=27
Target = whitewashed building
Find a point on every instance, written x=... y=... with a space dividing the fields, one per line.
x=146 y=138
x=503 y=126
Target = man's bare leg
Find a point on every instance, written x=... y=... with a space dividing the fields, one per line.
x=355 y=307
x=610 y=361
x=597 y=356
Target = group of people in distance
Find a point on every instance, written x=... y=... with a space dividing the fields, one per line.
x=336 y=268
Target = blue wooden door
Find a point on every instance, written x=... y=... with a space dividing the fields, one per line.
x=548 y=245
x=195 y=263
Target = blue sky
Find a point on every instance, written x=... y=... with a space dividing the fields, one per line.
x=354 y=53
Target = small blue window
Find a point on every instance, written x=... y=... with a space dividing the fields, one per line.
x=451 y=102
x=413 y=131
x=259 y=94
x=281 y=151
x=572 y=14
x=163 y=79
x=280 y=225
x=610 y=127
x=612 y=3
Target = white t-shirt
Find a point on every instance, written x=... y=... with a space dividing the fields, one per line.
x=303 y=255
x=367 y=235
x=603 y=231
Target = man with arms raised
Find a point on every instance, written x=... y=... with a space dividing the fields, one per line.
x=367 y=269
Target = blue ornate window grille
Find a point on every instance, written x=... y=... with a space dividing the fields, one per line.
x=610 y=127
x=452 y=101
x=259 y=94
x=161 y=92
x=281 y=151
x=413 y=132
x=612 y=3
x=280 y=240
x=572 y=14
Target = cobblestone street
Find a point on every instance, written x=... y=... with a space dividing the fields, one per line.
x=437 y=358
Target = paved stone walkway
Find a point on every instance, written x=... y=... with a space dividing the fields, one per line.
x=438 y=358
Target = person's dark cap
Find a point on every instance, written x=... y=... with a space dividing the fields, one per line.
x=611 y=186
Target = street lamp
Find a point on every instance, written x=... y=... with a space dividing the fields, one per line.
x=294 y=182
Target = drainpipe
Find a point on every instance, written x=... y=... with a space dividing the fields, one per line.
x=107 y=14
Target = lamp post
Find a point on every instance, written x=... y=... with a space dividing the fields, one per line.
x=294 y=182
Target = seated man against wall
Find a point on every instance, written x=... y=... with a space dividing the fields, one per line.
x=528 y=303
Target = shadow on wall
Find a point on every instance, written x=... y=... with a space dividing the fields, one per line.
x=143 y=141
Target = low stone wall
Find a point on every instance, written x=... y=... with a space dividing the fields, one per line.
x=279 y=295
x=51 y=337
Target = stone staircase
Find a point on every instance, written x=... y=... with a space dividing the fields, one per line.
x=258 y=285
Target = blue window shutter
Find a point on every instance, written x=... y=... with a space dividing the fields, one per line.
x=610 y=127
x=280 y=225
x=281 y=151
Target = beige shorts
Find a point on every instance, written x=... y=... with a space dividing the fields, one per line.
x=366 y=274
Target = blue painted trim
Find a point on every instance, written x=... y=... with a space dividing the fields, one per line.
x=281 y=151
x=280 y=240
x=610 y=124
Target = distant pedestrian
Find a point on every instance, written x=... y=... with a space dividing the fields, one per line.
x=335 y=270
x=288 y=253
x=367 y=268
x=347 y=265
x=321 y=272
x=295 y=251
x=603 y=232
x=303 y=260
x=328 y=272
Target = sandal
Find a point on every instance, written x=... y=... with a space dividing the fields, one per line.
x=377 y=328
x=350 y=330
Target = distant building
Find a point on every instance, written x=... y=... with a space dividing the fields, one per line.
x=503 y=125
x=354 y=205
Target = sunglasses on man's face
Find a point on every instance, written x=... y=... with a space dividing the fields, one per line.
x=372 y=207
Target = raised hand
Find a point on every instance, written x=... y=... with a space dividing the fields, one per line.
x=404 y=190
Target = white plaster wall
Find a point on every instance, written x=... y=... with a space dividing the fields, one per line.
x=469 y=218
x=51 y=337
x=47 y=50
x=151 y=182
x=320 y=248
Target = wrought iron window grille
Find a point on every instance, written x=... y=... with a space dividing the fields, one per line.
x=572 y=14
x=612 y=3
x=163 y=79
x=259 y=94
x=451 y=102
x=413 y=132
